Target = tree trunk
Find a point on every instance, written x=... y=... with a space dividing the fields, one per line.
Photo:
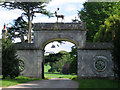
x=22 y=38
x=29 y=26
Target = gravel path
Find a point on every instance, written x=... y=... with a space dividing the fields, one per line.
x=52 y=84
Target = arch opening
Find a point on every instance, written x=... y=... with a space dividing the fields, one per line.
x=60 y=59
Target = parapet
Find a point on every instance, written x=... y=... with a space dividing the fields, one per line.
x=88 y=46
x=25 y=46
x=59 y=26
x=98 y=46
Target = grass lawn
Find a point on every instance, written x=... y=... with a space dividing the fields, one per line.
x=55 y=74
x=97 y=83
x=58 y=75
x=18 y=80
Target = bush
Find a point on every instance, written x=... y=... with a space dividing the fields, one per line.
x=73 y=64
x=73 y=67
x=10 y=62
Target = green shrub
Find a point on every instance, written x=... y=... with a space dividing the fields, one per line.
x=10 y=63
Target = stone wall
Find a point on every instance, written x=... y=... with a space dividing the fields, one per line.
x=87 y=56
x=90 y=55
x=32 y=61
x=94 y=59
x=87 y=60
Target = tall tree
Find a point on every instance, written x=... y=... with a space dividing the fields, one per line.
x=94 y=14
x=110 y=32
x=29 y=9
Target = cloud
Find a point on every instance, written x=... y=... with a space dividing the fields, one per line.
x=71 y=8
x=66 y=47
x=61 y=2
x=7 y=16
x=44 y=19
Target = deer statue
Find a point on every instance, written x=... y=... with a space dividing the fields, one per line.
x=59 y=16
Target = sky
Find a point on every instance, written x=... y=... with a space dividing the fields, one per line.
x=68 y=8
x=65 y=46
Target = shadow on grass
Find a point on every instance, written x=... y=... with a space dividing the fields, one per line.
x=21 y=79
x=97 y=83
x=18 y=80
x=57 y=73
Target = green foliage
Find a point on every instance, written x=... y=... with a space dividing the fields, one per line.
x=58 y=60
x=18 y=80
x=53 y=57
x=106 y=32
x=94 y=14
x=46 y=67
x=59 y=75
x=63 y=61
x=10 y=63
x=20 y=27
x=73 y=64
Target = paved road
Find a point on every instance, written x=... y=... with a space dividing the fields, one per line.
x=52 y=84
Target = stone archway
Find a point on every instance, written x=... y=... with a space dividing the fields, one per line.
x=89 y=54
x=45 y=33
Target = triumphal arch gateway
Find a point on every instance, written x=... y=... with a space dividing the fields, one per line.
x=94 y=59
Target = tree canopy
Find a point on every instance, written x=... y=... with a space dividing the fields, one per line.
x=107 y=30
x=94 y=14
x=63 y=62
x=19 y=29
